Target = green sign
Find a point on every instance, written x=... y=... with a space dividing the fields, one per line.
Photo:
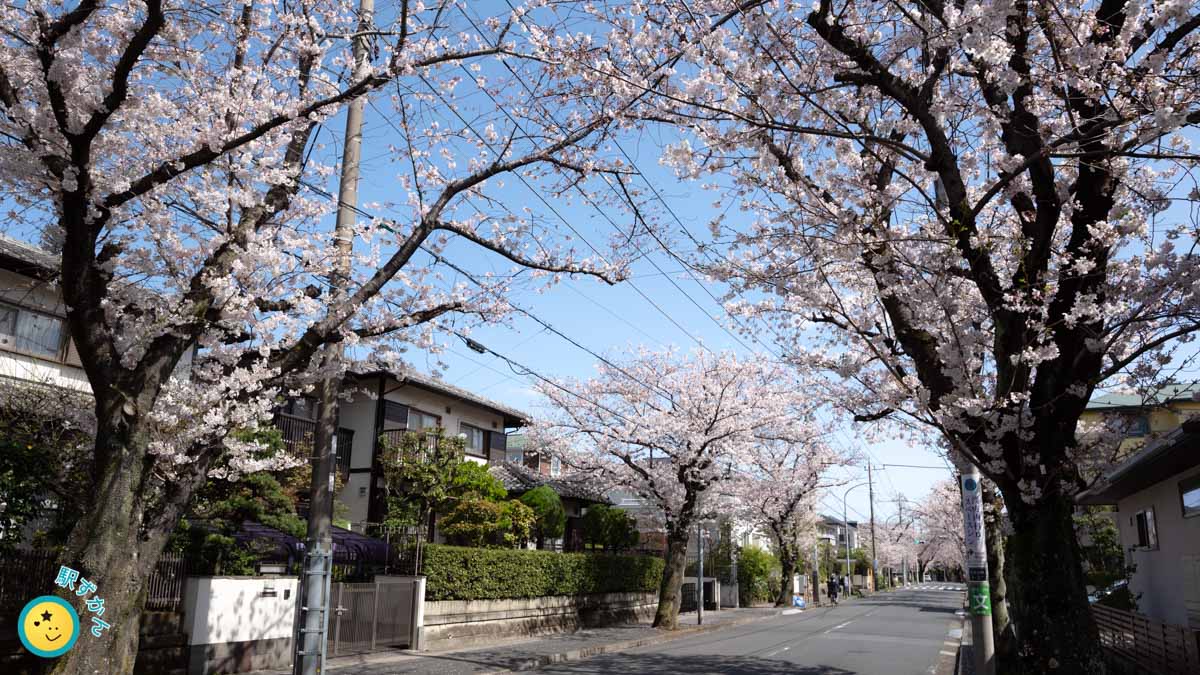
x=981 y=599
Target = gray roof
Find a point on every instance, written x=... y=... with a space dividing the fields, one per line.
x=27 y=259
x=519 y=479
x=1174 y=391
x=512 y=416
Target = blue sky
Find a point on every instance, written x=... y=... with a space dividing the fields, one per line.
x=661 y=305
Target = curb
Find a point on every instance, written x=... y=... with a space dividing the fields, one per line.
x=963 y=663
x=587 y=652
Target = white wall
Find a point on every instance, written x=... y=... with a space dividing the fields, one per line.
x=234 y=609
x=1165 y=577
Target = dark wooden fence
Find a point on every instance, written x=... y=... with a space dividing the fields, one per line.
x=1138 y=644
x=25 y=575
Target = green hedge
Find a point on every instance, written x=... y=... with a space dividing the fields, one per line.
x=458 y=573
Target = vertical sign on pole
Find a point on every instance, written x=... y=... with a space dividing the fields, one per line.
x=978 y=591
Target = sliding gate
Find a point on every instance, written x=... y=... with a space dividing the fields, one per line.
x=375 y=616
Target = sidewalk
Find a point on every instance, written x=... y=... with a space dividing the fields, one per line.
x=533 y=653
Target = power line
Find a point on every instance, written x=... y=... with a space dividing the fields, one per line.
x=604 y=215
x=546 y=325
x=555 y=211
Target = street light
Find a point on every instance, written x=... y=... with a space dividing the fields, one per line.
x=846 y=524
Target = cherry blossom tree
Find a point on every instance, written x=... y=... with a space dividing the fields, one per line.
x=173 y=153
x=939 y=522
x=673 y=428
x=964 y=211
x=778 y=488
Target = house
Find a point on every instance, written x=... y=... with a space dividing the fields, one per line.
x=576 y=492
x=1157 y=495
x=385 y=405
x=837 y=532
x=520 y=451
x=1145 y=416
x=34 y=345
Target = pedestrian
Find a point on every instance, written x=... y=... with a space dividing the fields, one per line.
x=833 y=590
x=842 y=584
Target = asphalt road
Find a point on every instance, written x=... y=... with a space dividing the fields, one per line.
x=905 y=632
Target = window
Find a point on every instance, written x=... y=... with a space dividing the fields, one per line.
x=29 y=332
x=555 y=466
x=1189 y=496
x=1139 y=426
x=513 y=456
x=1147 y=533
x=476 y=444
x=419 y=421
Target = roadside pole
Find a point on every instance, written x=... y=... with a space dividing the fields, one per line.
x=874 y=556
x=312 y=632
x=816 y=575
x=978 y=595
x=700 y=575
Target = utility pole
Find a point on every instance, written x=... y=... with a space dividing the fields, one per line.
x=979 y=602
x=699 y=574
x=816 y=574
x=874 y=556
x=904 y=558
x=312 y=630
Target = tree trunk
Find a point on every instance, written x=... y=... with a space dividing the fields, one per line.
x=1057 y=633
x=111 y=547
x=993 y=523
x=787 y=562
x=667 y=615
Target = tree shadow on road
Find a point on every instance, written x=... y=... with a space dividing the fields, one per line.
x=670 y=664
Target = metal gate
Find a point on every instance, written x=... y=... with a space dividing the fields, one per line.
x=375 y=616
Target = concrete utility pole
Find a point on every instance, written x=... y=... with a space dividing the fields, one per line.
x=904 y=559
x=312 y=630
x=816 y=574
x=699 y=574
x=874 y=556
x=979 y=602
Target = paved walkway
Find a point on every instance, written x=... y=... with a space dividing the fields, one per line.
x=529 y=654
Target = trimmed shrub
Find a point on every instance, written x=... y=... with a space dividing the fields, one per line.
x=458 y=573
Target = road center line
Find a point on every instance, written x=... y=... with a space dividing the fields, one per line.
x=842 y=625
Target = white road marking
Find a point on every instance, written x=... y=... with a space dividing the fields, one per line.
x=842 y=625
x=943 y=651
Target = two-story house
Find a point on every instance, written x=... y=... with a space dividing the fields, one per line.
x=1145 y=417
x=383 y=405
x=838 y=534
x=34 y=345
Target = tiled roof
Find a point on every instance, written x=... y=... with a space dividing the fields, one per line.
x=518 y=417
x=26 y=258
x=1174 y=391
x=519 y=479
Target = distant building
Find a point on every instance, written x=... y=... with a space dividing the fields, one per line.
x=1146 y=416
x=837 y=533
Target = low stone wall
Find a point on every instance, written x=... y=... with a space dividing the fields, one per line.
x=463 y=623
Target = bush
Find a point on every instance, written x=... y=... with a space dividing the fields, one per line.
x=756 y=566
x=456 y=573
x=482 y=522
x=550 y=520
x=609 y=528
